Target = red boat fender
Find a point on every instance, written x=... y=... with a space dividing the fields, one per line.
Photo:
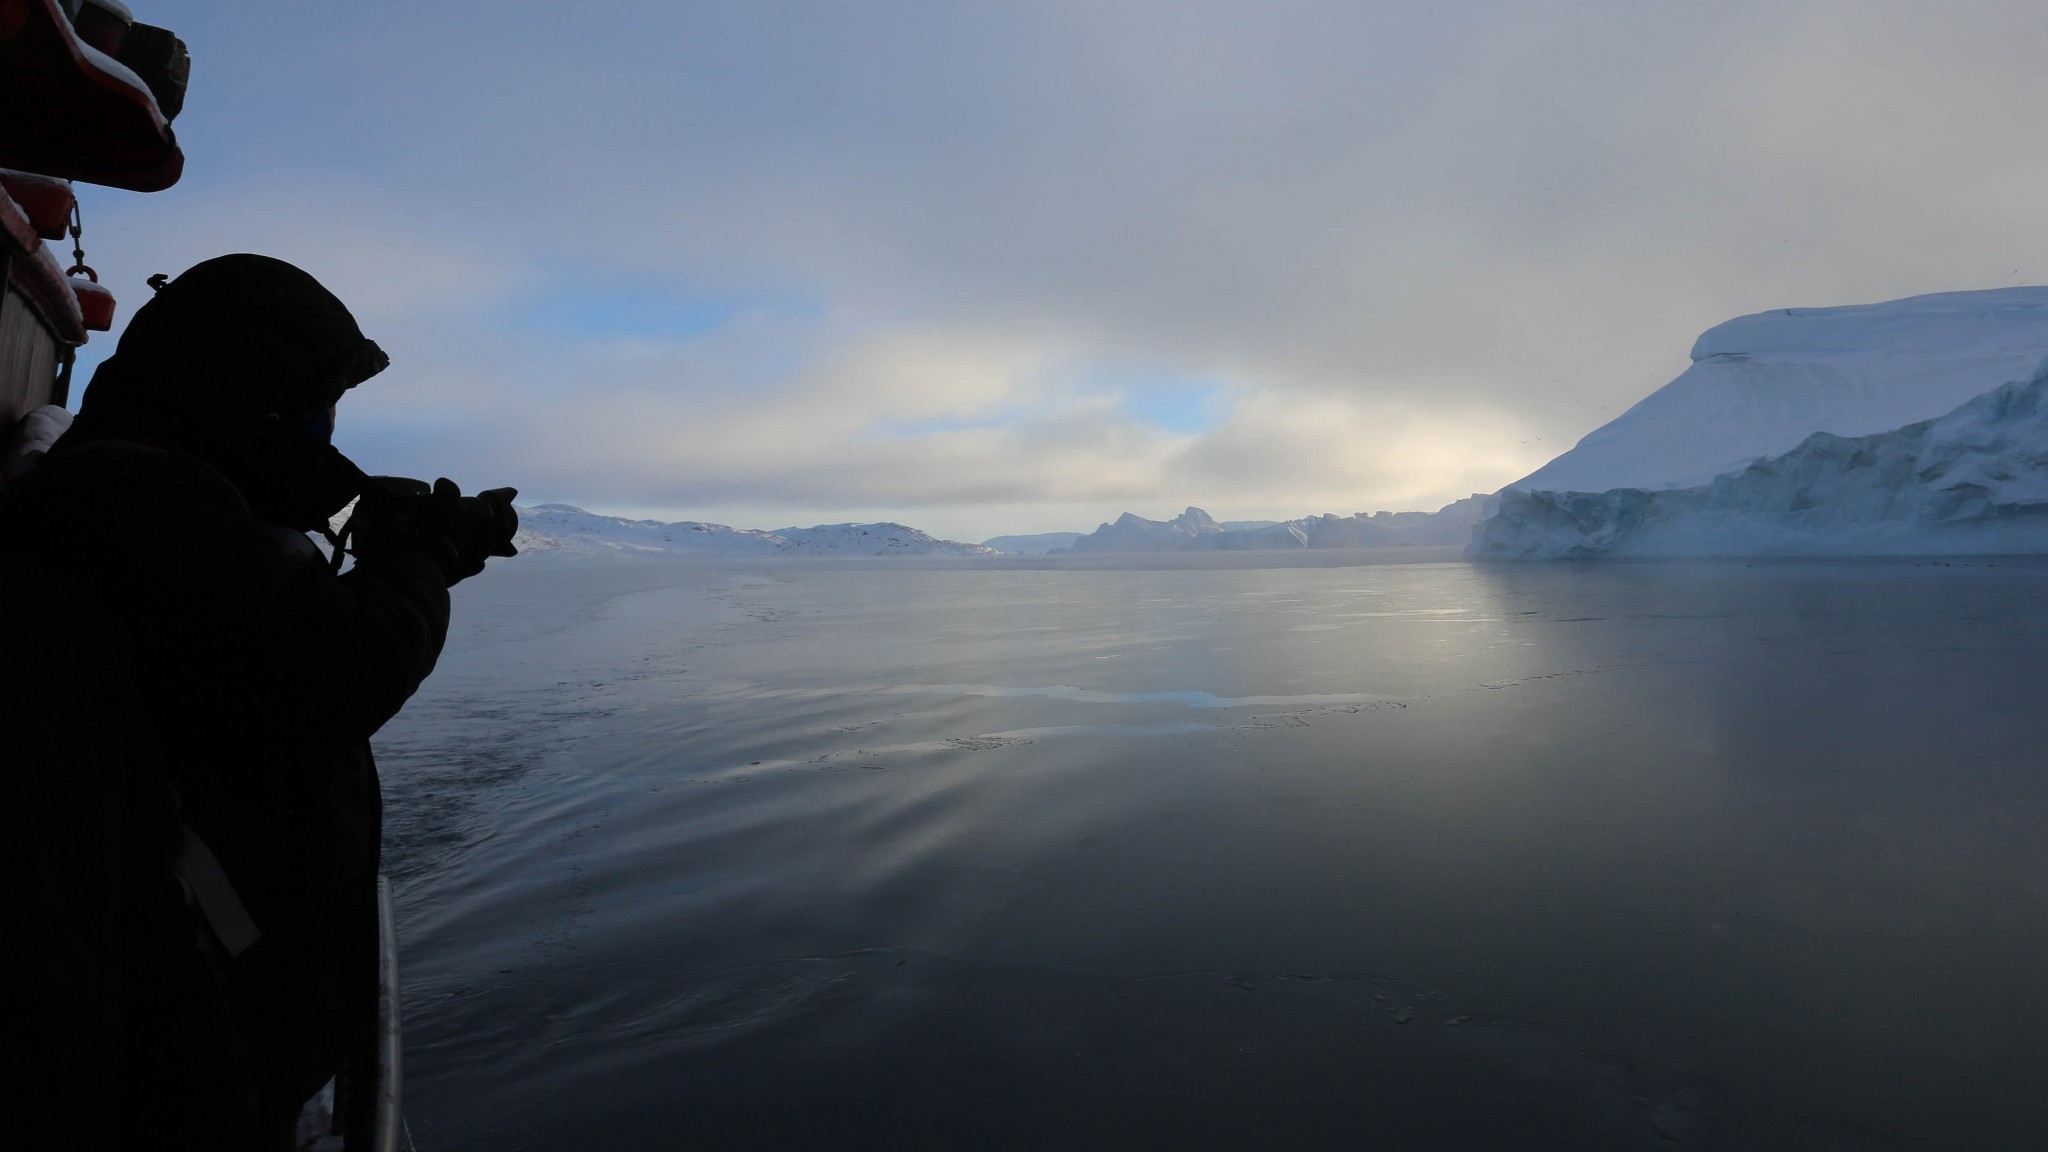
x=45 y=200
x=73 y=111
x=95 y=303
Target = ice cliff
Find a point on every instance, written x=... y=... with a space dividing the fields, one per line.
x=565 y=529
x=1035 y=544
x=1760 y=385
x=1974 y=481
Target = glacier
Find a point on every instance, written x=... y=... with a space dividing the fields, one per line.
x=1034 y=544
x=1759 y=385
x=1971 y=482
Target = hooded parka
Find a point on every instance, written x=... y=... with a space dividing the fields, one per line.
x=175 y=512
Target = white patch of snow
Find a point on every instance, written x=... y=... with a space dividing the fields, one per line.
x=118 y=71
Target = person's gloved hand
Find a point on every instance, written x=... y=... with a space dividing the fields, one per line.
x=456 y=532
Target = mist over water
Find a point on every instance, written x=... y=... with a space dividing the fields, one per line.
x=1702 y=855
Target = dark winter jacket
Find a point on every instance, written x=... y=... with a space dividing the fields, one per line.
x=257 y=679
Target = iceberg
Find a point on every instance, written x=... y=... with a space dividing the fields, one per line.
x=1971 y=482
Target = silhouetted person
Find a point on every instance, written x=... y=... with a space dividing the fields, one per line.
x=236 y=679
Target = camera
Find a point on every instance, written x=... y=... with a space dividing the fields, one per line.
x=396 y=514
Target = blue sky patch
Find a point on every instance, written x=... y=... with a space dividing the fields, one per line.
x=610 y=307
x=1177 y=403
x=1184 y=406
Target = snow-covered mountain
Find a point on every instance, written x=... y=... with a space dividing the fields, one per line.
x=1974 y=481
x=1133 y=533
x=872 y=540
x=1760 y=385
x=565 y=529
x=1196 y=530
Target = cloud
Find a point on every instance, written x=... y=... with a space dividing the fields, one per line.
x=927 y=257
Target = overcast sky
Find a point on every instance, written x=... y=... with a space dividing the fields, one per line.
x=1010 y=267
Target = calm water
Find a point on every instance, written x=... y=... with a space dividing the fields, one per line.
x=1424 y=856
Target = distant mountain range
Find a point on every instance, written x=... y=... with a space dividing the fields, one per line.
x=568 y=530
x=1045 y=543
x=565 y=529
x=1197 y=531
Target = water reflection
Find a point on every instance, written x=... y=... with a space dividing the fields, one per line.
x=1622 y=856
